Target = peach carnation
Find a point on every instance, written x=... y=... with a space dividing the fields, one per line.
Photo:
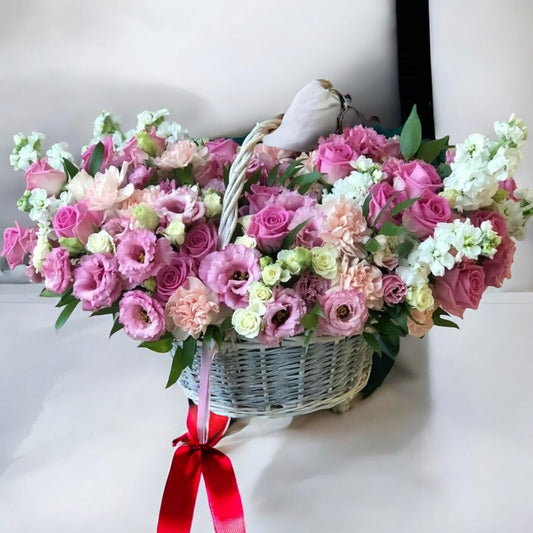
x=361 y=275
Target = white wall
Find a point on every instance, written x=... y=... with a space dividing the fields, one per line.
x=481 y=54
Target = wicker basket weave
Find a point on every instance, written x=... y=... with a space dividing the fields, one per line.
x=250 y=379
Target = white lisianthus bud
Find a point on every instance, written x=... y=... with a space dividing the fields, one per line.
x=246 y=322
x=324 y=261
x=259 y=295
x=100 y=242
x=175 y=231
x=145 y=217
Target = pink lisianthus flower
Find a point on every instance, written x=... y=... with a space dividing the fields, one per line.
x=76 y=221
x=269 y=227
x=40 y=175
x=422 y=217
x=344 y=225
x=293 y=200
x=200 y=240
x=394 y=289
x=142 y=316
x=173 y=276
x=282 y=317
x=97 y=281
x=191 y=308
x=56 y=270
x=460 y=288
x=183 y=201
x=345 y=313
x=417 y=176
x=140 y=176
x=140 y=255
x=230 y=272
x=333 y=160
x=18 y=242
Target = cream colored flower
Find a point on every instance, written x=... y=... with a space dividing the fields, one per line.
x=420 y=297
x=324 y=261
x=247 y=322
x=100 y=242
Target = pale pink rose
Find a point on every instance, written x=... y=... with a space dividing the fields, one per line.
x=18 y=242
x=97 y=281
x=56 y=270
x=141 y=255
x=76 y=221
x=180 y=155
x=191 y=308
x=40 y=175
x=460 y=288
x=418 y=322
x=79 y=184
x=345 y=313
x=230 y=272
x=183 y=201
x=174 y=275
x=282 y=317
x=201 y=239
x=309 y=235
x=422 y=217
x=109 y=190
x=391 y=167
x=361 y=275
x=333 y=160
x=221 y=153
x=142 y=316
x=415 y=177
x=365 y=141
x=344 y=225
x=394 y=289
x=269 y=227
x=260 y=196
x=384 y=199
x=392 y=148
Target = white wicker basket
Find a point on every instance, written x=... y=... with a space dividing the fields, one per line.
x=250 y=379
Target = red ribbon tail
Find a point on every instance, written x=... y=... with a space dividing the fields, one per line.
x=181 y=489
x=222 y=492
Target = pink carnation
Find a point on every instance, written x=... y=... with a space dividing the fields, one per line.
x=191 y=308
x=142 y=316
x=97 y=282
x=311 y=287
x=365 y=141
x=345 y=313
x=230 y=272
x=56 y=270
x=282 y=317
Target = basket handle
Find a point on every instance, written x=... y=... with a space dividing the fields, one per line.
x=237 y=178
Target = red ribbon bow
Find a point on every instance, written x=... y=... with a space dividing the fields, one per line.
x=191 y=460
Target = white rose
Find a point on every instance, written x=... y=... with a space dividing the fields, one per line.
x=100 y=242
x=246 y=322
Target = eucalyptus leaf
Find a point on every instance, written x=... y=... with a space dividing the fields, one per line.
x=411 y=135
x=96 y=159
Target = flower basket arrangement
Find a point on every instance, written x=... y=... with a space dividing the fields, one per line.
x=271 y=271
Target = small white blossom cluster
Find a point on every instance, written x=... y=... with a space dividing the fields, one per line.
x=106 y=124
x=27 y=150
x=357 y=184
x=56 y=153
x=169 y=130
x=480 y=164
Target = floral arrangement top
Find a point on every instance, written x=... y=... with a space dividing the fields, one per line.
x=363 y=235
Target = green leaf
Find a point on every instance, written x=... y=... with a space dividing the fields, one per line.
x=390 y=345
x=45 y=293
x=251 y=180
x=189 y=349
x=392 y=230
x=371 y=246
x=66 y=298
x=117 y=326
x=430 y=150
x=96 y=159
x=371 y=340
x=317 y=310
x=309 y=321
x=272 y=176
x=291 y=170
x=65 y=314
x=439 y=321
x=405 y=248
x=162 y=345
x=182 y=358
x=444 y=170
x=106 y=310
x=366 y=205
x=411 y=135
x=401 y=206
x=289 y=238
x=70 y=168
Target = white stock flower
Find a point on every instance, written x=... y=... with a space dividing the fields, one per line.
x=512 y=132
x=172 y=131
x=436 y=254
x=462 y=235
x=56 y=153
x=475 y=149
x=147 y=119
x=42 y=247
x=473 y=186
x=514 y=218
x=27 y=150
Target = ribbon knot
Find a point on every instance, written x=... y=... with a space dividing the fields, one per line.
x=191 y=460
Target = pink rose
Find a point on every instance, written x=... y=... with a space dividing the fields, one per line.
x=191 y=308
x=142 y=316
x=97 y=282
x=345 y=313
x=17 y=243
x=384 y=198
x=460 y=288
x=201 y=239
x=333 y=159
x=419 y=323
x=417 y=176
x=230 y=272
x=269 y=227
x=422 y=217
x=260 y=196
x=40 y=175
x=393 y=289
x=56 y=270
x=220 y=154
x=140 y=176
x=282 y=317
x=76 y=221
x=172 y=276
